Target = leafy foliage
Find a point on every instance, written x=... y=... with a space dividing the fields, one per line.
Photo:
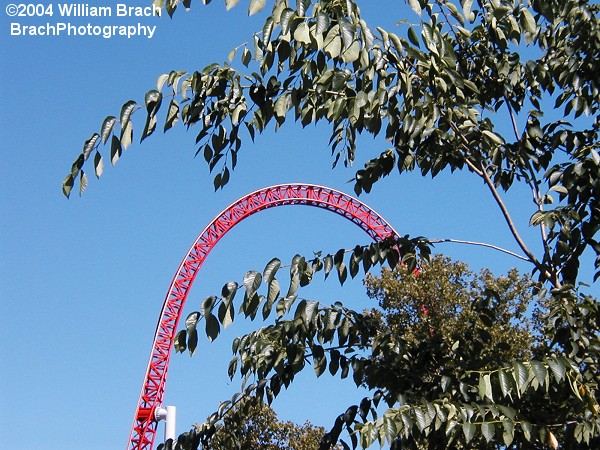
x=323 y=62
x=476 y=374
x=438 y=91
x=255 y=426
x=444 y=320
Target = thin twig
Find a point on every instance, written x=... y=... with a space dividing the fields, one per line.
x=481 y=244
x=512 y=118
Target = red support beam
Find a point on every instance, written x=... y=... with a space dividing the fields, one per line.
x=151 y=397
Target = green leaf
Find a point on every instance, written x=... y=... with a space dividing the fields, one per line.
x=334 y=362
x=527 y=21
x=251 y=304
x=537 y=218
x=272 y=295
x=341 y=267
x=161 y=80
x=509 y=412
x=67 y=185
x=302 y=33
x=327 y=265
x=416 y=7
x=226 y=314
x=281 y=106
x=558 y=368
x=397 y=43
x=115 y=150
x=252 y=281
x=407 y=420
x=412 y=36
x=89 y=145
x=208 y=304
x=153 y=100
x=126 y=111
x=560 y=189
x=107 y=127
x=450 y=426
x=232 y=54
x=302 y=6
x=267 y=30
x=228 y=292
x=364 y=408
x=348 y=33
x=485 y=387
x=505 y=382
x=284 y=305
x=98 y=164
x=171 y=6
x=527 y=429
x=467 y=5
x=496 y=138
x=285 y=21
x=231 y=3
x=180 y=341
x=488 y=430
x=255 y=6
x=212 y=327
x=127 y=135
x=238 y=112
x=83 y=182
x=469 y=430
x=300 y=311
x=323 y=22
x=332 y=44
x=352 y=53
x=520 y=375
x=192 y=342
x=421 y=419
x=310 y=311
x=509 y=432
x=192 y=320
x=294 y=276
x=390 y=429
x=540 y=371
x=149 y=127
x=172 y=115
x=246 y=57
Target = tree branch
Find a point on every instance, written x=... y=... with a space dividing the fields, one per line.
x=481 y=244
x=537 y=198
x=482 y=172
x=514 y=231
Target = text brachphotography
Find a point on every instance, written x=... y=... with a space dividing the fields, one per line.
x=68 y=29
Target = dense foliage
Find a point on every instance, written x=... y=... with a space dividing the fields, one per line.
x=444 y=323
x=255 y=426
x=446 y=319
x=438 y=92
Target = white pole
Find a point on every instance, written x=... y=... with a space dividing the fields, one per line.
x=170 y=423
x=169 y=415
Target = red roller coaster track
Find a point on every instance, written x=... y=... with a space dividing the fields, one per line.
x=151 y=396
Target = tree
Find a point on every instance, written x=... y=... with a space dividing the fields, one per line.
x=437 y=93
x=446 y=319
x=255 y=426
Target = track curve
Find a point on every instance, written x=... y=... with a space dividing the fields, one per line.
x=144 y=425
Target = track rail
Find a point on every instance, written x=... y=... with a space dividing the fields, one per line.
x=144 y=425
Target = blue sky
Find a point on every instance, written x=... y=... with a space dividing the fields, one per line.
x=83 y=280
